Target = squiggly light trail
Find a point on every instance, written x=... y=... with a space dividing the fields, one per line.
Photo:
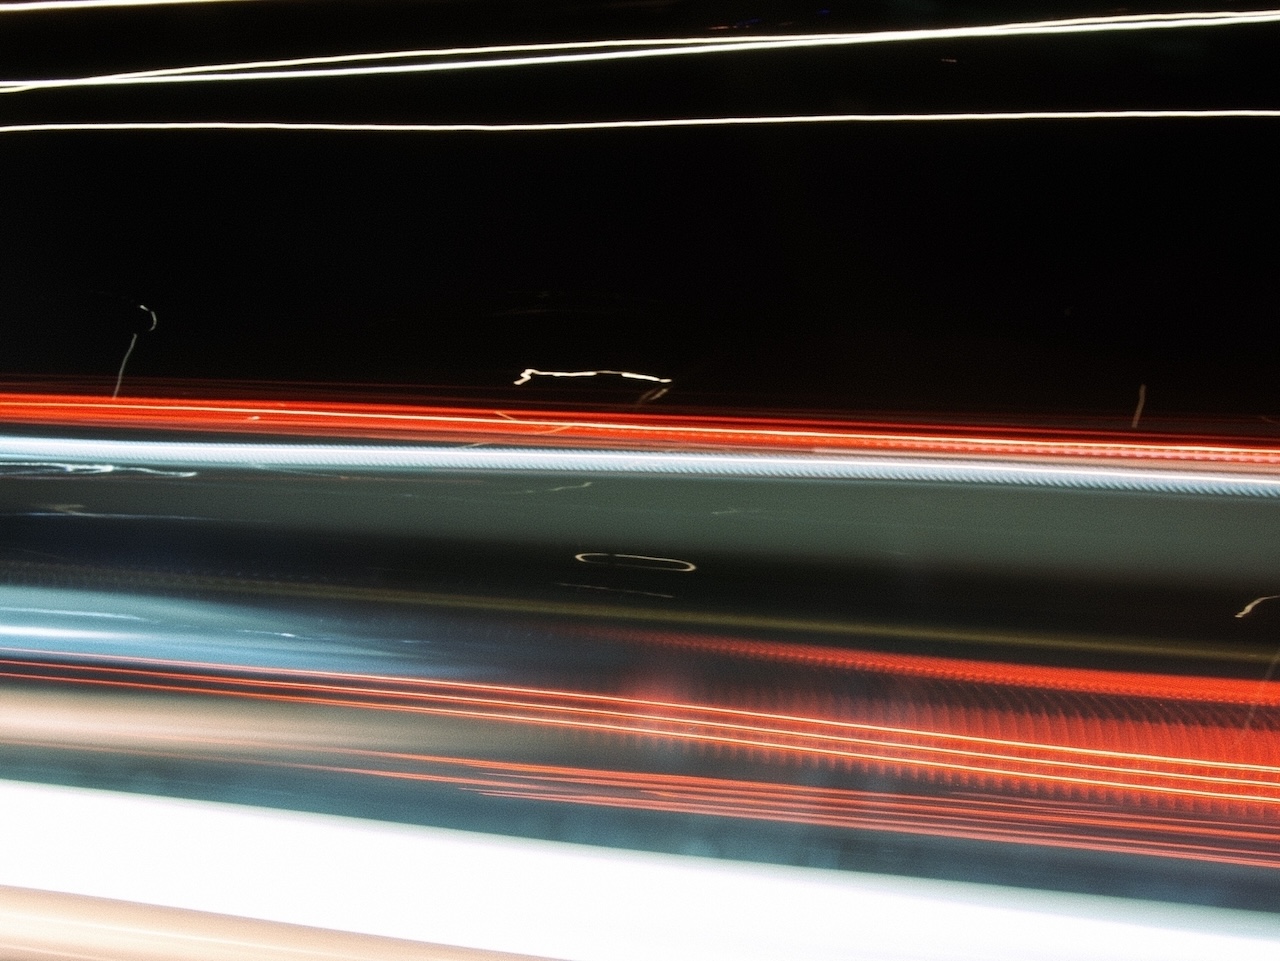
x=606 y=50
x=529 y=373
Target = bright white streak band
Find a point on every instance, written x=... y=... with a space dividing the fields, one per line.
x=605 y=50
x=111 y=455
x=839 y=118
x=563 y=900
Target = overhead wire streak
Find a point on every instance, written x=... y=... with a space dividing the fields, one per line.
x=588 y=125
x=623 y=49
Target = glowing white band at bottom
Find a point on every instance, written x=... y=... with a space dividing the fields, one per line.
x=562 y=900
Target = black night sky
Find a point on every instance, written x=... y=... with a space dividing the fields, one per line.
x=1022 y=270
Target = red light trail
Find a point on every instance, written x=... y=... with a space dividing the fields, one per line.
x=1131 y=762
x=1168 y=776
x=460 y=425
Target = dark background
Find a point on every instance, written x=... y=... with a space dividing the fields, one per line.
x=1036 y=271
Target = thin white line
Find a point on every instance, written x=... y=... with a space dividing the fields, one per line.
x=38 y=6
x=245 y=72
x=842 y=118
x=623 y=590
x=669 y=564
x=120 y=376
x=1137 y=411
x=633 y=49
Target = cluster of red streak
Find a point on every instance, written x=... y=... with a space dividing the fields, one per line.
x=1001 y=752
x=632 y=430
x=1178 y=779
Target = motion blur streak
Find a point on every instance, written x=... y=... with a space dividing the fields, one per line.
x=70 y=456
x=389 y=630
x=39 y=6
x=658 y=47
x=566 y=428
x=584 y=125
x=1082 y=681
x=1121 y=762
x=39 y=925
x=566 y=901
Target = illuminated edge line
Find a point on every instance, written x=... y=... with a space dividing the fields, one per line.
x=110 y=454
x=1267 y=113
x=563 y=900
x=45 y=925
x=633 y=49
x=42 y=6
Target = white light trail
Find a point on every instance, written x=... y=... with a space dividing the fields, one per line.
x=1248 y=608
x=564 y=900
x=574 y=125
x=133 y=341
x=42 y=925
x=1137 y=411
x=39 y=6
x=59 y=633
x=373 y=458
x=606 y=50
x=647 y=562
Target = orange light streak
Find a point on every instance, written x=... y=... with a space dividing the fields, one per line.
x=631 y=430
x=1033 y=821
x=1121 y=684
x=1256 y=695
x=1133 y=763
x=957 y=756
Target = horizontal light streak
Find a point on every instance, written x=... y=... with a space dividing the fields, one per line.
x=673 y=122
x=865 y=817
x=630 y=49
x=45 y=6
x=966 y=818
x=1266 y=695
x=1186 y=793
x=40 y=926
x=1128 y=685
x=1118 y=684
x=60 y=633
x=568 y=714
x=174 y=740
x=196 y=455
x=1254 y=656
x=564 y=900
x=1016 y=764
x=903 y=761
x=1030 y=820
x=426 y=423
